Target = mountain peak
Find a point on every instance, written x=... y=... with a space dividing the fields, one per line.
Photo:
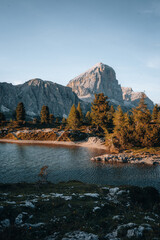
x=34 y=82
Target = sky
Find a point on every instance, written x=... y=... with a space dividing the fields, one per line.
x=57 y=40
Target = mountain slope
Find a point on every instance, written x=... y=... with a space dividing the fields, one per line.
x=131 y=98
x=102 y=78
x=36 y=93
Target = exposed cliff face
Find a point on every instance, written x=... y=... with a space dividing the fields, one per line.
x=100 y=78
x=36 y=93
x=131 y=98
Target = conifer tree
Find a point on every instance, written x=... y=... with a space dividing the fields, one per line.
x=141 y=119
x=2 y=117
x=80 y=113
x=73 y=118
x=118 y=119
x=63 y=120
x=100 y=109
x=51 y=118
x=110 y=118
x=88 y=118
x=155 y=112
x=45 y=114
x=20 y=112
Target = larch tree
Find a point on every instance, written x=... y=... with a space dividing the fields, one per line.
x=73 y=118
x=155 y=112
x=80 y=113
x=20 y=112
x=51 y=118
x=99 y=111
x=88 y=118
x=45 y=114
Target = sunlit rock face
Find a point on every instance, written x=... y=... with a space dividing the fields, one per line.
x=100 y=78
x=131 y=98
x=35 y=93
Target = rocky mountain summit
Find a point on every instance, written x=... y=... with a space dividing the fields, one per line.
x=102 y=78
x=131 y=98
x=35 y=93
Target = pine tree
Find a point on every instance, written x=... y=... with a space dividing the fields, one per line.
x=100 y=109
x=80 y=113
x=118 y=119
x=155 y=112
x=110 y=118
x=88 y=118
x=51 y=118
x=141 y=119
x=63 y=120
x=2 y=117
x=45 y=114
x=73 y=118
x=20 y=112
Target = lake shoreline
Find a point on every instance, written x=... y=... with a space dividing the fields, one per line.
x=57 y=143
x=118 y=158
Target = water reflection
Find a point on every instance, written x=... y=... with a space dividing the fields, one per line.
x=23 y=163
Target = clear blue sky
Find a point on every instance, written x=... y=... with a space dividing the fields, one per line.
x=58 y=39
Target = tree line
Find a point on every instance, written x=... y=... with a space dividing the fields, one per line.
x=138 y=127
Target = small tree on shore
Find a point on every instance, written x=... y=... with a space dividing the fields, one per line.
x=20 y=112
x=88 y=118
x=45 y=114
x=73 y=118
x=100 y=109
x=51 y=118
x=80 y=113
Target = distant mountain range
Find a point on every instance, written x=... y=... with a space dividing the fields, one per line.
x=36 y=92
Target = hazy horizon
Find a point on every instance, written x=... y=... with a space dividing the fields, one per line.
x=58 y=40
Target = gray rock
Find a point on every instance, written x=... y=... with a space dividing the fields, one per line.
x=80 y=235
x=131 y=98
x=100 y=78
x=35 y=93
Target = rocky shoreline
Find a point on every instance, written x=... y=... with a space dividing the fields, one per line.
x=145 y=158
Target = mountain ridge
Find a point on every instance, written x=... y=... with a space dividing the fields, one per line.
x=102 y=78
x=37 y=92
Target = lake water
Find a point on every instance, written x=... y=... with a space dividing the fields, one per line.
x=19 y=163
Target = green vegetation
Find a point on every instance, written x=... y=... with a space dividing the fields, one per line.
x=100 y=109
x=80 y=113
x=37 y=211
x=73 y=119
x=45 y=114
x=20 y=112
x=122 y=130
x=135 y=129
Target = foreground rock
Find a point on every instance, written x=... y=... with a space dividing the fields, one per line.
x=76 y=210
x=151 y=159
